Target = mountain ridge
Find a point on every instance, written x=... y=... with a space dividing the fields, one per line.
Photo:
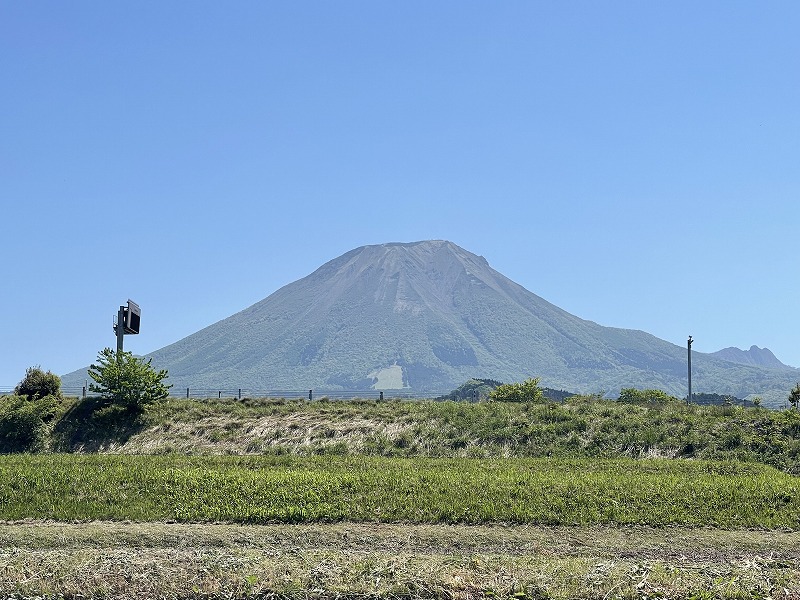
x=431 y=315
x=762 y=357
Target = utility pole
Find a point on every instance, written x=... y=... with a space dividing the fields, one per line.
x=120 y=328
x=689 y=351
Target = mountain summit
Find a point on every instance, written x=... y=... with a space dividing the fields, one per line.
x=762 y=357
x=425 y=317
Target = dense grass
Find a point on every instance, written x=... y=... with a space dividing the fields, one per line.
x=579 y=427
x=416 y=466
x=291 y=489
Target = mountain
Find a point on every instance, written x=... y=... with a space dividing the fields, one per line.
x=760 y=357
x=426 y=317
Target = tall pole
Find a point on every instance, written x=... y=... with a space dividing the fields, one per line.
x=120 y=329
x=689 y=351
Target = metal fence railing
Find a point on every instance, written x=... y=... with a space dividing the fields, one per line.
x=308 y=394
x=241 y=393
x=201 y=393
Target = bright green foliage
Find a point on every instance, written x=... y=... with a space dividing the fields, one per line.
x=263 y=489
x=24 y=422
x=127 y=381
x=631 y=395
x=38 y=384
x=794 y=396
x=527 y=391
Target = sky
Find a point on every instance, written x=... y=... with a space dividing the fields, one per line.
x=634 y=163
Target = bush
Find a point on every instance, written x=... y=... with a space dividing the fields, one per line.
x=38 y=384
x=634 y=396
x=794 y=396
x=477 y=389
x=127 y=381
x=24 y=423
x=527 y=391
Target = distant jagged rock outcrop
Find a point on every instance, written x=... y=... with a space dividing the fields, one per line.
x=759 y=357
x=425 y=317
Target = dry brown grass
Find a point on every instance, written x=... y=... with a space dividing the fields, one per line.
x=127 y=560
x=229 y=434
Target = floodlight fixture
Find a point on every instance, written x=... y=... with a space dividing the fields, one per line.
x=133 y=315
x=128 y=320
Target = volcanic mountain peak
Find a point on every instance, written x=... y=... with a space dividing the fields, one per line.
x=408 y=277
x=428 y=316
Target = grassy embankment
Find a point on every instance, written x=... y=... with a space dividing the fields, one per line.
x=580 y=427
x=384 y=502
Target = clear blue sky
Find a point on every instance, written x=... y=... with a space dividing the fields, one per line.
x=635 y=163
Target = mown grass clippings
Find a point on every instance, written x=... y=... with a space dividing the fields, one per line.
x=347 y=560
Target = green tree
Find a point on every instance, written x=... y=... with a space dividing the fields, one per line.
x=794 y=396
x=527 y=391
x=38 y=384
x=127 y=381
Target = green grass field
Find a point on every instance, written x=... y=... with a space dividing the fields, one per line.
x=328 y=489
x=272 y=498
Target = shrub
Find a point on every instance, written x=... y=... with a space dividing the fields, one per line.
x=794 y=396
x=527 y=391
x=634 y=396
x=127 y=381
x=473 y=389
x=38 y=384
x=24 y=423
